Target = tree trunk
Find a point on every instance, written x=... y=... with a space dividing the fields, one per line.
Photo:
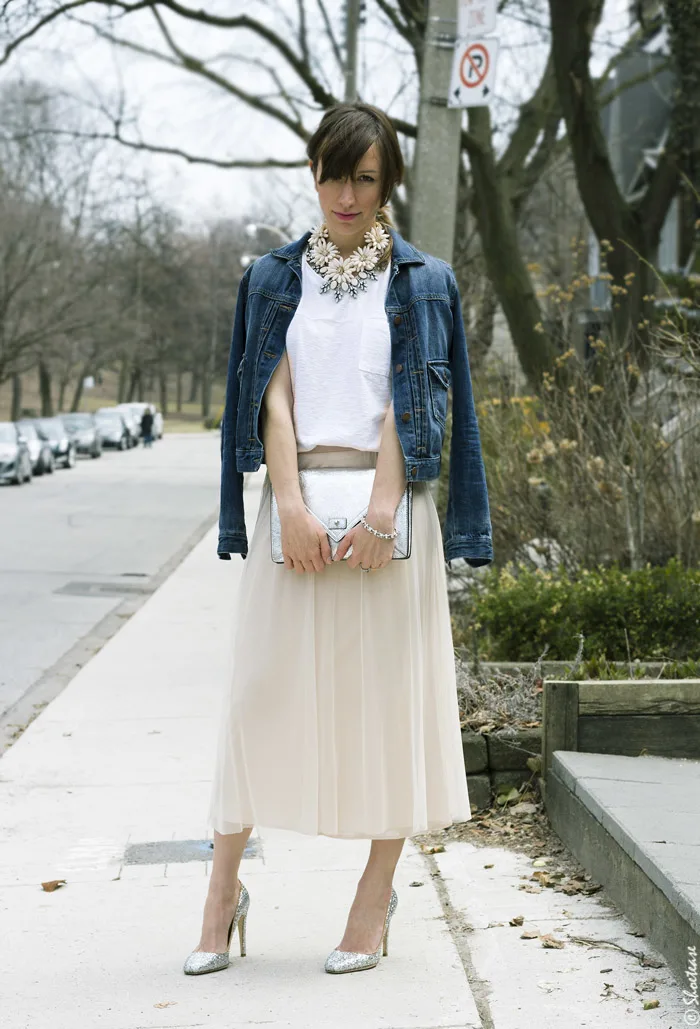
x=178 y=391
x=123 y=378
x=163 y=387
x=195 y=383
x=493 y=211
x=62 y=387
x=206 y=396
x=134 y=391
x=45 y=389
x=16 y=397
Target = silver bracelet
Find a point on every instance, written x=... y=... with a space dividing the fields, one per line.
x=375 y=532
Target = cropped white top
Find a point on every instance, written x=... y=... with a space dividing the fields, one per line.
x=340 y=362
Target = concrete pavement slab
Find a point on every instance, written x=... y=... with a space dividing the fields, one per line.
x=597 y=979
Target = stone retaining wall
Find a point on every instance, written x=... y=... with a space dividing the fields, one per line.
x=496 y=760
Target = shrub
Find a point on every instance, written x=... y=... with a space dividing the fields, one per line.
x=649 y=614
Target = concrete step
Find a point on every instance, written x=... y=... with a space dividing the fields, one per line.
x=634 y=824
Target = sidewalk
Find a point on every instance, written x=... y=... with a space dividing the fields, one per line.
x=123 y=756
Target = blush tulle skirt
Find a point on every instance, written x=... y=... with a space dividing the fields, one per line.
x=340 y=715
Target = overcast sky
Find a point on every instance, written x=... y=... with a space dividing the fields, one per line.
x=177 y=109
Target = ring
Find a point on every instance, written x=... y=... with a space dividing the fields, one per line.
x=365 y=569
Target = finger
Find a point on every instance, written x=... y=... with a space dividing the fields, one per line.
x=288 y=563
x=343 y=548
x=325 y=549
x=317 y=561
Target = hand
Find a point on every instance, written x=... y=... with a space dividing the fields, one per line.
x=305 y=545
x=368 y=550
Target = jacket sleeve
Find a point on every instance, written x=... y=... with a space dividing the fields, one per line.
x=467 y=530
x=233 y=538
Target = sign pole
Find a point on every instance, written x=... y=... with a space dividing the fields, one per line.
x=352 y=25
x=437 y=152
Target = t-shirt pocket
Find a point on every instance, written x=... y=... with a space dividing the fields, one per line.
x=375 y=347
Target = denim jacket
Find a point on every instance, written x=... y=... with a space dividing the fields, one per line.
x=428 y=355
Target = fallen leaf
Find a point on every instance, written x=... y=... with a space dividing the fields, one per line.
x=52 y=884
x=529 y=934
x=416 y=883
x=524 y=808
x=648 y=1004
x=438 y=848
x=488 y=866
x=530 y=888
x=646 y=985
x=165 y=1004
x=550 y=941
x=517 y=920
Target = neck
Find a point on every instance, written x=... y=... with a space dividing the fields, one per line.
x=347 y=244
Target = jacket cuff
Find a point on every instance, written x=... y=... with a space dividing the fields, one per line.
x=232 y=543
x=476 y=549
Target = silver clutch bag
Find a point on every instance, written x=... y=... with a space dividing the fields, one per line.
x=339 y=498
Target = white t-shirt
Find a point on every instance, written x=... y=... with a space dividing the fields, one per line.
x=340 y=362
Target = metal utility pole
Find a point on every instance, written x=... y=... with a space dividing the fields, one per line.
x=437 y=153
x=352 y=26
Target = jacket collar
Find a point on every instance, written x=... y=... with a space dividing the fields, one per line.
x=403 y=252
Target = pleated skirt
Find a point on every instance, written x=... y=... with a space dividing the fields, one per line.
x=340 y=716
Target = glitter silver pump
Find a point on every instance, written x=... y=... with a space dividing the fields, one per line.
x=353 y=961
x=201 y=961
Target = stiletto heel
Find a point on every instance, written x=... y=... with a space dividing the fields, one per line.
x=241 y=934
x=200 y=961
x=353 y=961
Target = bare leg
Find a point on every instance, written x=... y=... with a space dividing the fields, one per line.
x=222 y=897
x=366 y=919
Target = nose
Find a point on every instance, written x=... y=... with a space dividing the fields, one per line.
x=346 y=197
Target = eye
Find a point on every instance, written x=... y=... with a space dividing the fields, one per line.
x=369 y=178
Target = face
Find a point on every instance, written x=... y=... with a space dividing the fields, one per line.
x=350 y=205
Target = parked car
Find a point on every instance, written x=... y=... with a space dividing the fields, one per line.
x=113 y=428
x=57 y=436
x=15 y=459
x=138 y=407
x=39 y=450
x=83 y=428
x=131 y=423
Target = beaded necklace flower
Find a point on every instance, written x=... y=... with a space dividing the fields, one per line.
x=347 y=275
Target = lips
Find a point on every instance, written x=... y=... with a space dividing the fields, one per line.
x=345 y=217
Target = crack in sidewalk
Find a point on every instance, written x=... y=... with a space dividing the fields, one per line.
x=479 y=987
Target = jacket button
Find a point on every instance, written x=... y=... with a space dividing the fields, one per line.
x=397 y=319
x=414 y=470
x=399 y=368
x=405 y=417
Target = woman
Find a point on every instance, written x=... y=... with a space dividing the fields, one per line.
x=342 y=717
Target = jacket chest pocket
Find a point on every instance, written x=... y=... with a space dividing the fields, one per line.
x=375 y=347
x=439 y=378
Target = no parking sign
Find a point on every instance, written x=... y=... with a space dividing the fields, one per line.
x=473 y=73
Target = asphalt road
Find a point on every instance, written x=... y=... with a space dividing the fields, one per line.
x=75 y=544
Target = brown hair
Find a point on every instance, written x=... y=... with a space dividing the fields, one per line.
x=345 y=134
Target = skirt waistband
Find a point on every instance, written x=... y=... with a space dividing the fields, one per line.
x=338 y=459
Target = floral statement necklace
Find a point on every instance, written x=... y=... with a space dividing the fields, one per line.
x=347 y=275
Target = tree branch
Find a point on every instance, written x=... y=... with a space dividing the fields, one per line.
x=533 y=115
